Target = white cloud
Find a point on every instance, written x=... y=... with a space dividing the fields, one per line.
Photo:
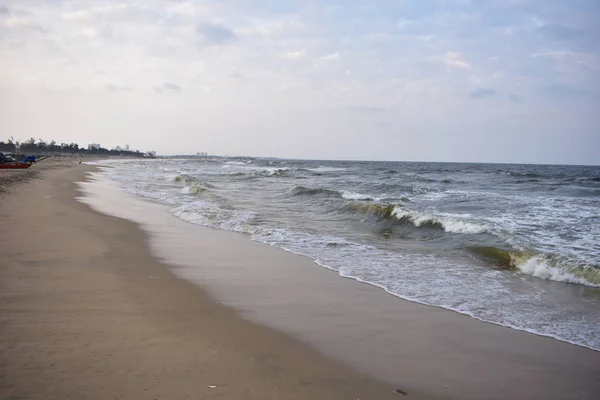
x=453 y=59
x=380 y=37
x=16 y=22
x=116 y=88
x=403 y=23
x=330 y=57
x=186 y=8
x=294 y=55
x=458 y=63
x=274 y=27
x=89 y=32
x=425 y=38
x=87 y=13
x=566 y=60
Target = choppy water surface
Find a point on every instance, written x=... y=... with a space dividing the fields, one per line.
x=516 y=245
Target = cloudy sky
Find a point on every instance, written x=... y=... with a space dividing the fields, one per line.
x=432 y=80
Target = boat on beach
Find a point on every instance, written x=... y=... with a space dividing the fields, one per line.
x=17 y=161
x=15 y=165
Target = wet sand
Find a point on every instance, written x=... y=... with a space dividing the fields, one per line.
x=87 y=313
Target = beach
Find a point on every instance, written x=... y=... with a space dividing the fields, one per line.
x=86 y=312
x=93 y=306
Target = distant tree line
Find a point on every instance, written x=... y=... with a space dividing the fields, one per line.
x=43 y=147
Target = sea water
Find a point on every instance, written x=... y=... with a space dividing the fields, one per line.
x=514 y=245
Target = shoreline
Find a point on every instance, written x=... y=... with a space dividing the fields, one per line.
x=340 y=272
x=423 y=345
x=430 y=348
x=87 y=312
x=468 y=261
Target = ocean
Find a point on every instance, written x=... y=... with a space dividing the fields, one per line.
x=513 y=245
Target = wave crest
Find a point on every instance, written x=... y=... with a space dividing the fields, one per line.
x=192 y=185
x=419 y=219
x=448 y=223
x=303 y=191
x=356 y=196
x=377 y=210
x=539 y=265
x=543 y=266
x=193 y=189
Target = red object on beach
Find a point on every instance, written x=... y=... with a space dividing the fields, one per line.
x=15 y=165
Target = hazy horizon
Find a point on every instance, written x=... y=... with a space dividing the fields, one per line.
x=514 y=81
x=379 y=161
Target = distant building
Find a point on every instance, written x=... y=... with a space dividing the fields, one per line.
x=94 y=146
x=119 y=148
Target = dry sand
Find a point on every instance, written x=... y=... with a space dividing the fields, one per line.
x=83 y=317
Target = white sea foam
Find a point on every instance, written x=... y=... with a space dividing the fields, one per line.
x=541 y=267
x=433 y=196
x=257 y=170
x=322 y=168
x=277 y=171
x=211 y=215
x=192 y=189
x=346 y=194
x=449 y=224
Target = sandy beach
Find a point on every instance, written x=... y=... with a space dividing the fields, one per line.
x=87 y=313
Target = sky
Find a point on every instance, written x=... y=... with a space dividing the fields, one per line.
x=412 y=80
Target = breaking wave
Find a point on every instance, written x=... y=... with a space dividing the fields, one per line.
x=193 y=185
x=346 y=194
x=212 y=215
x=322 y=168
x=263 y=171
x=539 y=265
x=274 y=171
x=384 y=211
x=450 y=224
x=187 y=179
x=304 y=191
x=238 y=162
x=193 y=189
x=520 y=174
